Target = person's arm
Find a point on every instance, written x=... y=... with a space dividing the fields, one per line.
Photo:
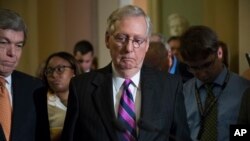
x=244 y=114
x=180 y=129
x=69 y=129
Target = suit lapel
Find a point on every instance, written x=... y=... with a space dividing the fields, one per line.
x=17 y=91
x=103 y=99
x=15 y=88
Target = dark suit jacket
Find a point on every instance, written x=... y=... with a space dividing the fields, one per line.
x=23 y=115
x=91 y=117
x=244 y=114
x=42 y=122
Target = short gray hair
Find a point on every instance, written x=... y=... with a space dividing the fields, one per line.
x=128 y=10
x=11 y=20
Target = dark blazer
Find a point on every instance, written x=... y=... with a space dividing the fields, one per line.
x=244 y=114
x=42 y=122
x=23 y=116
x=91 y=117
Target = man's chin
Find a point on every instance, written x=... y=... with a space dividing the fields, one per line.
x=6 y=71
x=5 y=74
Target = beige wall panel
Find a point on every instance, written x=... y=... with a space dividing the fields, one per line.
x=81 y=22
x=51 y=27
x=222 y=16
x=105 y=7
x=244 y=33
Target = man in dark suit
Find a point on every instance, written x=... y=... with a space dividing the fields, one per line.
x=126 y=101
x=18 y=87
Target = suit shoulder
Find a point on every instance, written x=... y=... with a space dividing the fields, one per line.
x=85 y=78
x=26 y=78
x=165 y=76
x=239 y=78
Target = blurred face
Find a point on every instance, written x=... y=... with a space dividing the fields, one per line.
x=128 y=45
x=11 y=43
x=59 y=73
x=84 y=60
x=206 y=70
x=174 y=45
x=155 y=38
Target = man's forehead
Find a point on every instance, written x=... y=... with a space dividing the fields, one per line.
x=12 y=35
x=201 y=61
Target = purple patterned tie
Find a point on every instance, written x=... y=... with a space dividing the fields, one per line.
x=126 y=113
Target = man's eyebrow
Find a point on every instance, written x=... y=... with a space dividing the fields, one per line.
x=9 y=41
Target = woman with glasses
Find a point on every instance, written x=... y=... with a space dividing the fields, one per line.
x=51 y=102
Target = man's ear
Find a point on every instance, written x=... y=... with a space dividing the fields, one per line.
x=220 y=53
x=107 y=36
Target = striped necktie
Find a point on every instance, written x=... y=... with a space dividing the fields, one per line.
x=209 y=128
x=5 y=109
x=126 y=113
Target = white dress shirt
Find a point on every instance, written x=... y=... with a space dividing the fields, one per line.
x=134 y=87
x=8 y=85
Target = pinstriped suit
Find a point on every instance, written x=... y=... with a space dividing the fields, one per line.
x=91 y=117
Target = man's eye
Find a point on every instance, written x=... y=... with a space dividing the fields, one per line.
x=3 y=42
x=19 y=45
x=139 y=41
x=121 y=39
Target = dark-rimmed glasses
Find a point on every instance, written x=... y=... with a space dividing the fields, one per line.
x=124 y=39
x=58 y=69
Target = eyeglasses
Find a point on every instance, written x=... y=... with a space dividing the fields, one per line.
x=58 y=69
x=204 y=66
x=124 y=39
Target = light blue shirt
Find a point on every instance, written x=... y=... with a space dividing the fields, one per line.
x=172 y=70
x=228 y=102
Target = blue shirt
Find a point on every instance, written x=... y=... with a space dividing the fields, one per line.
x=228 y=102
x=172 y=70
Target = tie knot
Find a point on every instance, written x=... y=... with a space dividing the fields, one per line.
x=127 y=82
x=209 y=85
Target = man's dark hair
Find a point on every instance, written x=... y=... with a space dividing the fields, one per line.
x=198 y=42
x=84 y=47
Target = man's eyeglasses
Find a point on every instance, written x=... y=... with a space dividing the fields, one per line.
x=58 y=69
x=204 y=66
x=124 y=39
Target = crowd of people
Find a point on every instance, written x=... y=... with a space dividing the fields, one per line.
x=153 y=89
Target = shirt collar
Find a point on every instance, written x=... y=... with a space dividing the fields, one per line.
x=118 y=80
x=8 y=79
x=218 y=81
x=173 y=67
